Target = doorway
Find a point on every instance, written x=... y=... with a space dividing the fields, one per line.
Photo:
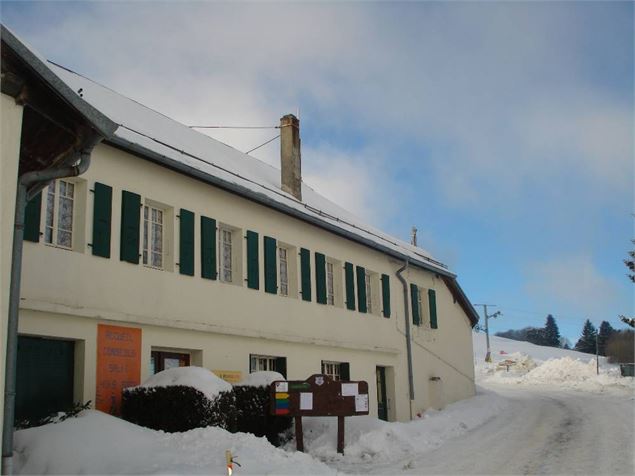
x=382 y=406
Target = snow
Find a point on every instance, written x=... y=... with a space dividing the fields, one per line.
x=525 y=364
x=260 y=379
x=201 y=379
x=96 y=443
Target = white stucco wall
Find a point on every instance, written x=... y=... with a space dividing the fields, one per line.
x=10 y=131
x=221 y=324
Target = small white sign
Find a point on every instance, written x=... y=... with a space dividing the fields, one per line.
x=349 y=389
x=361 y=403
x=306 y=401
x=282 y=386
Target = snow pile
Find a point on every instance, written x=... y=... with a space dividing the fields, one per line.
x=260 y=379
x=369 y=440
x=522 y=363
x=96 y=443
x=199 y=378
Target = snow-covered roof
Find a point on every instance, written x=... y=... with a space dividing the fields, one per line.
x=159 y=138
x=154 y=132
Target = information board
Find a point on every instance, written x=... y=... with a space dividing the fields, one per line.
x=118 y=365
x=319 y=395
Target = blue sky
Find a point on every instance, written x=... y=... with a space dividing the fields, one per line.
x=502 y=131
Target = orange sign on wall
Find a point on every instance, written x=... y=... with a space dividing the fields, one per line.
x=118 y=365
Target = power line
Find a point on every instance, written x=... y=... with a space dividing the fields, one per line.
x=261 y=145
x=234 y=127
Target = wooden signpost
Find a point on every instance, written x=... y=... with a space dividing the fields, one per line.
x=319 y=395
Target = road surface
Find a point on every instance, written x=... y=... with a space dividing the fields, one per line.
x=540 y=432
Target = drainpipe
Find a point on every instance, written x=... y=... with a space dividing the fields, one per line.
x=28 y=185
x=411 y=386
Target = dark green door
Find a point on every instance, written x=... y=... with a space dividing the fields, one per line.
x=382 y=408
x=44 y=377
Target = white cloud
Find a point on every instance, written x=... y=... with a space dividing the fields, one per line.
x=494 y=91
x=573 y=282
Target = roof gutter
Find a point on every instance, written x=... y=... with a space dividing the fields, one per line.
x=28 y=185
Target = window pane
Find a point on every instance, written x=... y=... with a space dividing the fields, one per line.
x=64 y=238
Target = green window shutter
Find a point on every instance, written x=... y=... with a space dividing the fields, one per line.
x=253 y=281
x=345 y=371
x=349 y=276
x=385 y=294
x=186 y=242
x=305 y=273
x=320 y=278
x=32 y=218
x=130 y=216
x=271 y=275
x=281 y=366
x=102 y=217
x=414 y=301
x=432 y=300
x=208 y=248
x=361 y=289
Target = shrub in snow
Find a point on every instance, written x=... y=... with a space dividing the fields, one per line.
x=54 y=417
x=181 y=399
x=253 y=401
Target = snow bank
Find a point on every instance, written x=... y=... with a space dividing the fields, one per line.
x=522 y=363
x=569 y=373
x=260 y=379
x=199 y=378
x=96 y=443
x=369 y=440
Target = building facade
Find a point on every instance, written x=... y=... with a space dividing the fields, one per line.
x=173 y=249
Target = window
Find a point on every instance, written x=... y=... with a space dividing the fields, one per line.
x=332 y=369
x=60 y=201
x=160 y=361
x=153 y=246
x=330 y=288
x=369 y=294
x=283 y=270
x=226 y=255
x=269 y=363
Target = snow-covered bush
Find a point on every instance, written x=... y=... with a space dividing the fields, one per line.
x=253 y=402
x=181 y=399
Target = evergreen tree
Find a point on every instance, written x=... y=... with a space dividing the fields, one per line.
x=630 y=264
x=551 y=334
x=604 y=334
x=586 y=343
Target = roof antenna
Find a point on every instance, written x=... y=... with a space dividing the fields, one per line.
x=413 y=236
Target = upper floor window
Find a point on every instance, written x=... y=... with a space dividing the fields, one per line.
x=60 y=202
x=153 y=242
x=283 y=271
x=226 y=251
x=330 y=286
x=369 y=293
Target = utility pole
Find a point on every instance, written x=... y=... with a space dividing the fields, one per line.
x=488 y=356
x=597 y=353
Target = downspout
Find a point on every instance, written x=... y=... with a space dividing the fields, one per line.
x=411 y=386
x=28 y=185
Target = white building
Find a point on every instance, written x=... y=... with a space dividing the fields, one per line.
x=175 y=249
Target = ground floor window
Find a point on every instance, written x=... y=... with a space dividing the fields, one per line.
x=271 y=363
x=332 y=369
x=160 y=360
x=336 y=370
